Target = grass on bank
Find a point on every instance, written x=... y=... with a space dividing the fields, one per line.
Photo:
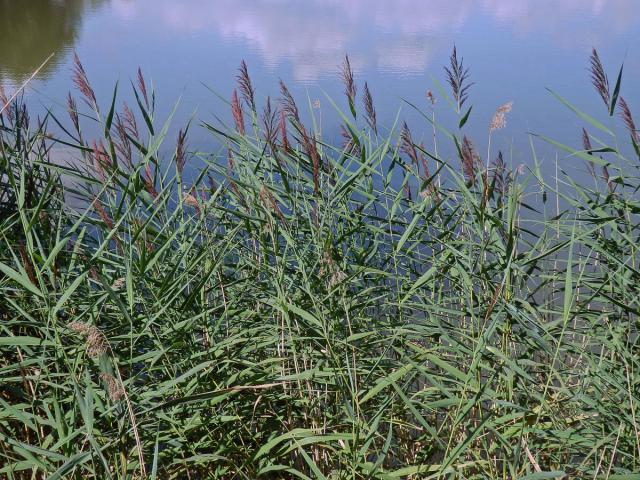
x=306 y=310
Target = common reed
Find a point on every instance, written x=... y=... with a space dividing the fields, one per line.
x=246 y=87
x=237 y=112
x=297 y=310
x=458 y=79
x=350 y=87
x=370 y=109
x=142 y=86
x=599 y=77
x=627 y=118
x=81 y=81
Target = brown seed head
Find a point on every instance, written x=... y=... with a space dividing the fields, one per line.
x=95 y=340
x=114 y=388
x=236 y=111
x=499 y=119
x=181 y=151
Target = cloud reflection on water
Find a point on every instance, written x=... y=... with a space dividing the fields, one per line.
x=396 y=36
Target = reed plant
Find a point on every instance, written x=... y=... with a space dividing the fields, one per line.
x=303 y=309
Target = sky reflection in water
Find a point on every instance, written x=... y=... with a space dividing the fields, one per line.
x=515 y=48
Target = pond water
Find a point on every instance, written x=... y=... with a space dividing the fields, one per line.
x=189 y=48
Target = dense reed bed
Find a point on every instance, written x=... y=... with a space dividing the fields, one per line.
x=299 y=309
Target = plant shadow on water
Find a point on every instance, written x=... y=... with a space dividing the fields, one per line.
x=309 y=309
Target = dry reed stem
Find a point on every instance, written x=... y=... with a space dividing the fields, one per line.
x=7 y=102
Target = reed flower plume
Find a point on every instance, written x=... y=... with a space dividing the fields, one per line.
x=599 y=78
x=499 y=120
x=269 y=202
x=470 y=160
x=101 y=160
x=407 y=145
x=114 y=388
x=284 y=139
x=246 y=87
x=181 y=151
x=627 y=118
x=310 y=147
x=270 y=124
x=149 y=183
x=104 y=216
x=349 y=83
x=502 y=177
x=431 y=97
x=123 y=144
x=236 y=111
x=81 y=81
x=369 y=109
x=457 y=77
x=72 y=110
x=288 y=104
x=142 y=85
x=96 y=342
x=129 y=121
x=191 y=199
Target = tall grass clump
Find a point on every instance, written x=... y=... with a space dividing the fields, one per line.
x=302 y=309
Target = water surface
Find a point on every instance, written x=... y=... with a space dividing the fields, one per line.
x=514 y=48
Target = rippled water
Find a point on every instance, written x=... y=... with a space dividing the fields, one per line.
x=514 y=48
